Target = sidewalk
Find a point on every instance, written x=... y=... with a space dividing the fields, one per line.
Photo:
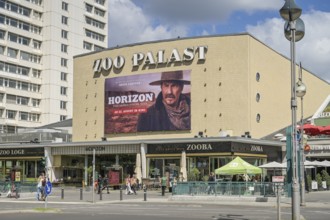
x=73 y=195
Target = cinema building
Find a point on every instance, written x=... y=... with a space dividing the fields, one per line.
x=238 y=91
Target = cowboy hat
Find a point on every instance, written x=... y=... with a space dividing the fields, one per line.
x=171 y=76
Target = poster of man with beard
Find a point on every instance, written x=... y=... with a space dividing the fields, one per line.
x=148 y=102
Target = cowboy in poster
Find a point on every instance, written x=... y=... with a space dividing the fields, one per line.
x=148 y=102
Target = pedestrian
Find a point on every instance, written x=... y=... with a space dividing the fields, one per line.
x=133 y=184
x=174 y=183
x=41 y=183
x=128 y=185
x=211 y=181
x=163 y=182
x=99 y=184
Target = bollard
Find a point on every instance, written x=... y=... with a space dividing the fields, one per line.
x=62 y=193
x=101 y=194
x=145 y=193
x=81 y=194
x=121 y=193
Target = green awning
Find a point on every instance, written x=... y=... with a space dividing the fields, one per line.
x=238 y=166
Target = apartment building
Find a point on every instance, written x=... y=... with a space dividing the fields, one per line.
x=38 y=39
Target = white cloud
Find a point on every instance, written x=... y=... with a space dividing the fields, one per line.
x=134 y=21
x=129 y=24
x=313 y=50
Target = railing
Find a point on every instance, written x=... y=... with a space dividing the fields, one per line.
x=20 y=186
x=229 y=188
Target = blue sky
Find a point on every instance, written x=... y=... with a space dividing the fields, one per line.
x=133 y=21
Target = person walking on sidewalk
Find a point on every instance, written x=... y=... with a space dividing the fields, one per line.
x=211 y=181
x=163 y=182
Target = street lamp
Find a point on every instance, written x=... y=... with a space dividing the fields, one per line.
x=301 y=91
x=291 y=13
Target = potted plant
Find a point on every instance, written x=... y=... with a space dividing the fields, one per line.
x=193 y=175
x=326 y=178
x=318 y=179
x=309 y=183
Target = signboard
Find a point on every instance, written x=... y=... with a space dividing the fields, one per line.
x=48 y=187
x=212 y=147
x=18 y=176
x=22 y=152
x=114 y=177
x=136 y=103
x=277 y=179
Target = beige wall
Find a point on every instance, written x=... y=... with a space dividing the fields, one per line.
x=223 y=88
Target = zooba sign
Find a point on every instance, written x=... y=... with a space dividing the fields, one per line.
x=149 y=58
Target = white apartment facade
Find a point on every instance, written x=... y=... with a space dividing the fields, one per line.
x=38 y=39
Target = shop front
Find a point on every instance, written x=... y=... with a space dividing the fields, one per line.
x=202 y=158
x=21 y=164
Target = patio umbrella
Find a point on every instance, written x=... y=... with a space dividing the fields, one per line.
x=312 y=130
x=238 y=166
x=137 y=170
x=183 y=166
x=326 y=130
x=273 y=165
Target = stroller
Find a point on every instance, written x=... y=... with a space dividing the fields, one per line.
x=13 y=191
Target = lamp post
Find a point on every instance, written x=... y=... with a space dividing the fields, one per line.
x=301 y=91
x=293 y=31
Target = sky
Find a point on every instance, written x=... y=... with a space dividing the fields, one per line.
x=135 y=21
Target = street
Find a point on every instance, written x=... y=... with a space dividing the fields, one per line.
x=148 y=211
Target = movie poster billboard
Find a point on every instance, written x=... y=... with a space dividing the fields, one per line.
x=137 y=104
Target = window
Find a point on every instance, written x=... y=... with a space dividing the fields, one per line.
x=94 y=35
x=1 y=97
x=64 y=62
x=22 y=100
x=63 y=105
x=34 y=88
x=65 y=6
x=101 y=2
x=98 y=48
x=36 y=73
x=64 y=20
x=2 y=50
x=87 y=46
x=99 y=12
x=89 y=8
x=64 y=48
x=64 y=34
x=37 y=15
x=34 y=117
x=35 y=102
x=64 y=76
x=25 y=56
x=2 y=34
x=24 y=116
x=36 y=44
x=10 y=114
x=63 y=90
x=11 y=99
x=62 y=117
x=12 y=53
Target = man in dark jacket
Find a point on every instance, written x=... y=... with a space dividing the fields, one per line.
x=171 y=110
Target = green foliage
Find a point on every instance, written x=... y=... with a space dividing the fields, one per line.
x=309 y=182
x=205 y=178
x=326 y=177
x=319 y=180
x=193 y=175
